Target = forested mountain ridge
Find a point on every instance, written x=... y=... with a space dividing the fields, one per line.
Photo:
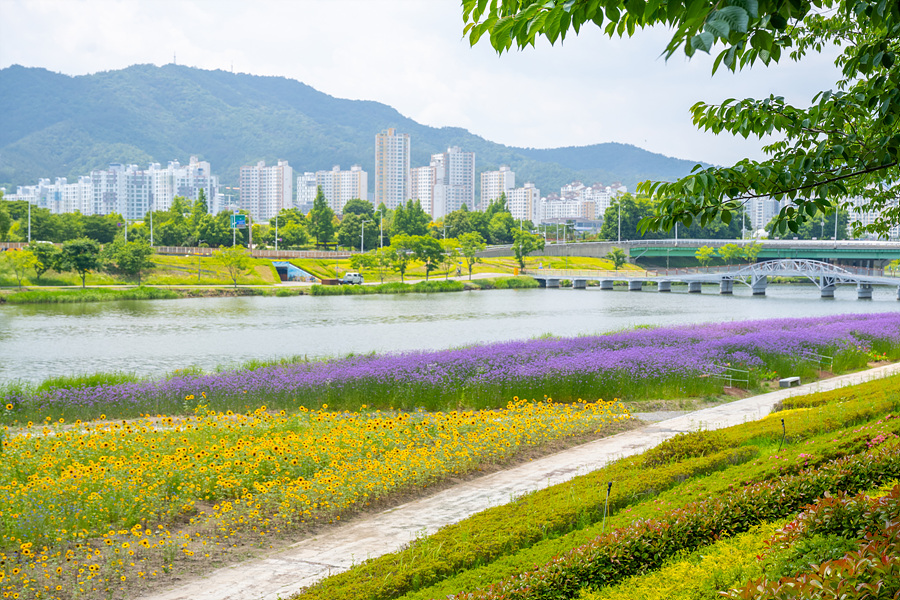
x=55 y=125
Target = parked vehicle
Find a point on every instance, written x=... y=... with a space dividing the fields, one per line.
x=352 y=279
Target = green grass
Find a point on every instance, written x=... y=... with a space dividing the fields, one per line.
x=89 y=295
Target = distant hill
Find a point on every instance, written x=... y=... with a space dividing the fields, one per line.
x=55 y=125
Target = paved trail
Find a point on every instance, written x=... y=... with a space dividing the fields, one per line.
x=335 y=550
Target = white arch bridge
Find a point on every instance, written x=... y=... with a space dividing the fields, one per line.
x=825 y=276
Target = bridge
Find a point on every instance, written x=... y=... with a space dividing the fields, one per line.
x=825 y=276
x=861 y=253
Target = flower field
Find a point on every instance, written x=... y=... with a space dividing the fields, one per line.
x=670 y=362
x=96 y=509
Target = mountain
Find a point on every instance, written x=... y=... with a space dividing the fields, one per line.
x=55 y=125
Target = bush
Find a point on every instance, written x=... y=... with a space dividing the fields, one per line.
x=685 y=445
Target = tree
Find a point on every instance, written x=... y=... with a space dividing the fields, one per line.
x=470 y=244
x=361 y=261
x=129 y=259
x=403 y=249
x=362 y=208
x=101 y=228
x=384 y=260
x=501 y=227
x=321 y=219
x=751 y=251
x=235 y=259
x=20 y=261
x=48 y=257
x=704 y=254
x=429 y=251
x=348 y=233
x=450 y=254
x=844 y=145
x=729 y=252
x=81 y=255
x=618 y=257
x=410 y=219
x=5 y=219
x=524 y=243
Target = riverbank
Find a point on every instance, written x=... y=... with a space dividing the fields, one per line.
x=109 y=293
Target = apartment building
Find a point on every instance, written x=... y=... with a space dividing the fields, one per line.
x=339 y=187
x=496 y=183
x=266 y=190
x=524 y=203
x=392 y=183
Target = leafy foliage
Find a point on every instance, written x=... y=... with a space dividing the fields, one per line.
x=845 y=144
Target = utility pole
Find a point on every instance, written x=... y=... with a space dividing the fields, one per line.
x=29 y=222
x=276 y=233
x=362 y=235
x=381 y=233
x=619 y=205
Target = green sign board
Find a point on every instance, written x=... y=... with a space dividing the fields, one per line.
x=238 y=221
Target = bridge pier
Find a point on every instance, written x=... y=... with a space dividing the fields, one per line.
x=827 y=290
x=758 y=285
x=898 y=293
x=666 y=286
x=579 y=284
x=606 y=284
x=864 y=291
x=726 y=286
x=694 y=287
x=552 y=283
x=635 y=286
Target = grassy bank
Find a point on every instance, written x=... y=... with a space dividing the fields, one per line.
x=425 y=287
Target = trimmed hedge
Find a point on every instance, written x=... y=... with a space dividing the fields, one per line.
x=648 y=543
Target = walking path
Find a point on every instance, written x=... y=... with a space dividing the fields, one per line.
x=335 y=550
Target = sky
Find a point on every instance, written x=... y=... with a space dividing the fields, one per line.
x=411 y=54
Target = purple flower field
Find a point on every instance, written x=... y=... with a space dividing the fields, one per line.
x=643 y=363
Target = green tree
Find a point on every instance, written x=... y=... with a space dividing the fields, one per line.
x=618 y=257
x=200 y=206
x=410 y=219
x=361 y=261
x=524 y=243
x=48 y=257
x=5 y=220
x=729 y=252
x=470 y=244
x=362 y=208
x=501 y=227
x=429 y=251
x=384 y=260
x=101 y=228
x=751 y=251
x=844 y=145
x=20 y=261
x=403 y=250
x=450 y=254
x=321 y=220
x=705 y=254
x=129 y=259
x=235 y=259
x=81 y=256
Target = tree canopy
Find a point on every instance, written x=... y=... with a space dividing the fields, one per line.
x=846 y=144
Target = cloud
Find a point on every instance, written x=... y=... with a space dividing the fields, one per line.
x=410 y=54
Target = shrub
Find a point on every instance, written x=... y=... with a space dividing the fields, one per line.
x=685 y=445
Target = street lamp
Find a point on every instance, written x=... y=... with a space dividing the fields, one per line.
x=381 y=227
x=276 y=233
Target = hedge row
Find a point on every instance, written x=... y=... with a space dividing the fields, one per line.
x=647 y=543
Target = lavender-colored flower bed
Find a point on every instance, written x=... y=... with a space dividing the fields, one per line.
x=643 y=363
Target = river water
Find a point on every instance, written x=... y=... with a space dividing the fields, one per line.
x=155 y=337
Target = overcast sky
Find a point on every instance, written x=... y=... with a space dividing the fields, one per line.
x=410 y=54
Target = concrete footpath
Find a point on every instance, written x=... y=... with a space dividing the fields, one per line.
x=302 y=564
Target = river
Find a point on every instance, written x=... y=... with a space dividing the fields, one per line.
x=155 y=337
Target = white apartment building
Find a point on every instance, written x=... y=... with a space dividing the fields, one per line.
x=392 y=184
x=554 y=208
x=124 y=189
x=266 y=190
x=496 y=183
x=339 y=187
x=454 y=181
x=421 y=182
x=601 y=196
x=858 y=212
x=525 y=203
x=761 y=211
x=307 y=187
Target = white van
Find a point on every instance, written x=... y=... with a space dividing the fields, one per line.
x=352 y=279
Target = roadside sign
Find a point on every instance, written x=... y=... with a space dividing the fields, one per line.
x=238 y=221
